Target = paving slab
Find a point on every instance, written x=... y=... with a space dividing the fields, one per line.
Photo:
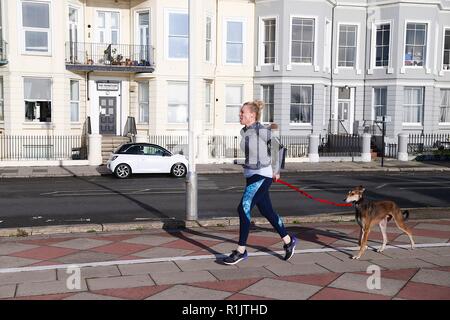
x=81 y=243
x=205 y=264
x=150 y=240
x=369 y=254
x=43 y=288
x=27 y=276
x=283 y=290
x=346 y=266
x=244 y=273
x=146 y=268
x=313 y=258
x=7 y=291
x=442 y=251
x=440 y=278
x=433 y=226
x=159 y=252
x=119 y=282
x=357 y=282
x=184 y=292
x=419 y=239
x=86 y=256
x=15 y=262
x=7 y=248
x=90 y=296
x=407 y=253
x=442 y=261
x=261 y=261
x=91 y=272
x=296 y=269
x=403 y=263
x=181 y=277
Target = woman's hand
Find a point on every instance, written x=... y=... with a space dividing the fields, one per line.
x=276 y=177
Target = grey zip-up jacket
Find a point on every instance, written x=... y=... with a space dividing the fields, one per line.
x=260 y=148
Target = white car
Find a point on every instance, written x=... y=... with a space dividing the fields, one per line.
x=145 y=158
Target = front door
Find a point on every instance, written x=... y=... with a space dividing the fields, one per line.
x=344 y=112
x=108 y=106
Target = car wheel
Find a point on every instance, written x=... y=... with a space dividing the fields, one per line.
x=122 y=171
x=178 y=170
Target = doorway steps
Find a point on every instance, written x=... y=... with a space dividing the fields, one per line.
x=110 y=143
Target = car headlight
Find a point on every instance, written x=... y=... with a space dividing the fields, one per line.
x=114 y=158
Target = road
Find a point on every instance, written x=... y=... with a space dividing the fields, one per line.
x=74 y=200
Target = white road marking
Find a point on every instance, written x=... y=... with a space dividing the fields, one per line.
x=383 y=185
x=204 y=257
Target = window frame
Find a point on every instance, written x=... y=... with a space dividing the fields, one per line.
x=241 y=86
x=373 y=55
x=261 y=39
x=35 y=100
x=211 y=41
x=315 y=40
x=167 y=13
x=169 y=104
x=2 y=100
x=445 y=28
x=301 y=124
x=225 y=40
x=440 y=106
x=414 y=124
x=265 y=101
x=140 y=84
x=136 y=26
x=74 y=101
x=374 y=113
x=427 y=44
x=23 y=29
x=209 y=104
x=357 y=45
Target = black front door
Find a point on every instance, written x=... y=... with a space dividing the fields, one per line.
x=107 y=115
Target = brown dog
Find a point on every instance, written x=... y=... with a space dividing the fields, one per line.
x=369 y=213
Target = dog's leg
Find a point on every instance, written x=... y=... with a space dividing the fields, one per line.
x=383 y=224
x=363 y=246
x=398 y=218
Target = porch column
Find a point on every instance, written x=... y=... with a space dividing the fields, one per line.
x=402 y=154
x=365 y=154
x=313 y=148
x=95 y=150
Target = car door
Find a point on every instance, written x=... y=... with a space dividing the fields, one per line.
x=154 y=159
x=134 y=157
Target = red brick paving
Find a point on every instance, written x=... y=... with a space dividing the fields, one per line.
x=44 y=253
x=263 y=241
x=431 y=233
x=229 y=285
x=114 y=238
x=121 y=248
x=47 y=297
x=339 y=294
x=44 y=263
x=423 y=291
x=402 y=274
x=188 y=245
x=314 y=279
x=47 y=241
x=138 y=293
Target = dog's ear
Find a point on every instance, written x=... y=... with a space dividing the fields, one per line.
x=361 y=189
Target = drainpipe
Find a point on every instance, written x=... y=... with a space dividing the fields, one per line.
x=215 y=67
x=365 y=68
x=331 y=64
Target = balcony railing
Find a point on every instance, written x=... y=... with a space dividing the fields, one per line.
x=3 y=52
x=114 y=57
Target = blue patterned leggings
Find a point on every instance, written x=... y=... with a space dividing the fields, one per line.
x=257 y=193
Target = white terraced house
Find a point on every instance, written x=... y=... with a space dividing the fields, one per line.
x=79 y=77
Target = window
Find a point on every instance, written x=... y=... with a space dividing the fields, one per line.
x=144 y=35
x=413 y=105
x=447 y=50
x=347 y=46
x=302 y=40
x=178 y=102
x=74 y=100
x=108 y=27
x=301 y=103
x=207 y=102
x=208 y=39
x=379 y=101
x=235 y=43
x=233 y=102
x=327 y=46
x=153 y=151
x=415 y=46
x=269 y=38
x=2 y=115
x=36 y=26
x=445 y=106
x=37 y=93
x=143 y=102
x=382 y=45
x=178 y=35
x=268 y=98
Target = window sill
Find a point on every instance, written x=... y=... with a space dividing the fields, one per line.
x=50 y=125
x=43 y=54
x=301 y=125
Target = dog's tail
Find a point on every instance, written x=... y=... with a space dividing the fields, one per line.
x=405 y=215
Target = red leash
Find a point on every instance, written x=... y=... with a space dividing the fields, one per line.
x=311 y=197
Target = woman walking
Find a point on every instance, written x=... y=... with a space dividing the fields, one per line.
x=259 y=170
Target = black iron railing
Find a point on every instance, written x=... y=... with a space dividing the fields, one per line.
x=340 y=145
x=44 y=147
x=420 y=143
x=101 y=54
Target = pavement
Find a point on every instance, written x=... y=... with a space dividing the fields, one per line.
x=173 y=264
x=390 y=165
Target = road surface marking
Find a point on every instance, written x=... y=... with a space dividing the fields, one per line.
x=205 y=257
